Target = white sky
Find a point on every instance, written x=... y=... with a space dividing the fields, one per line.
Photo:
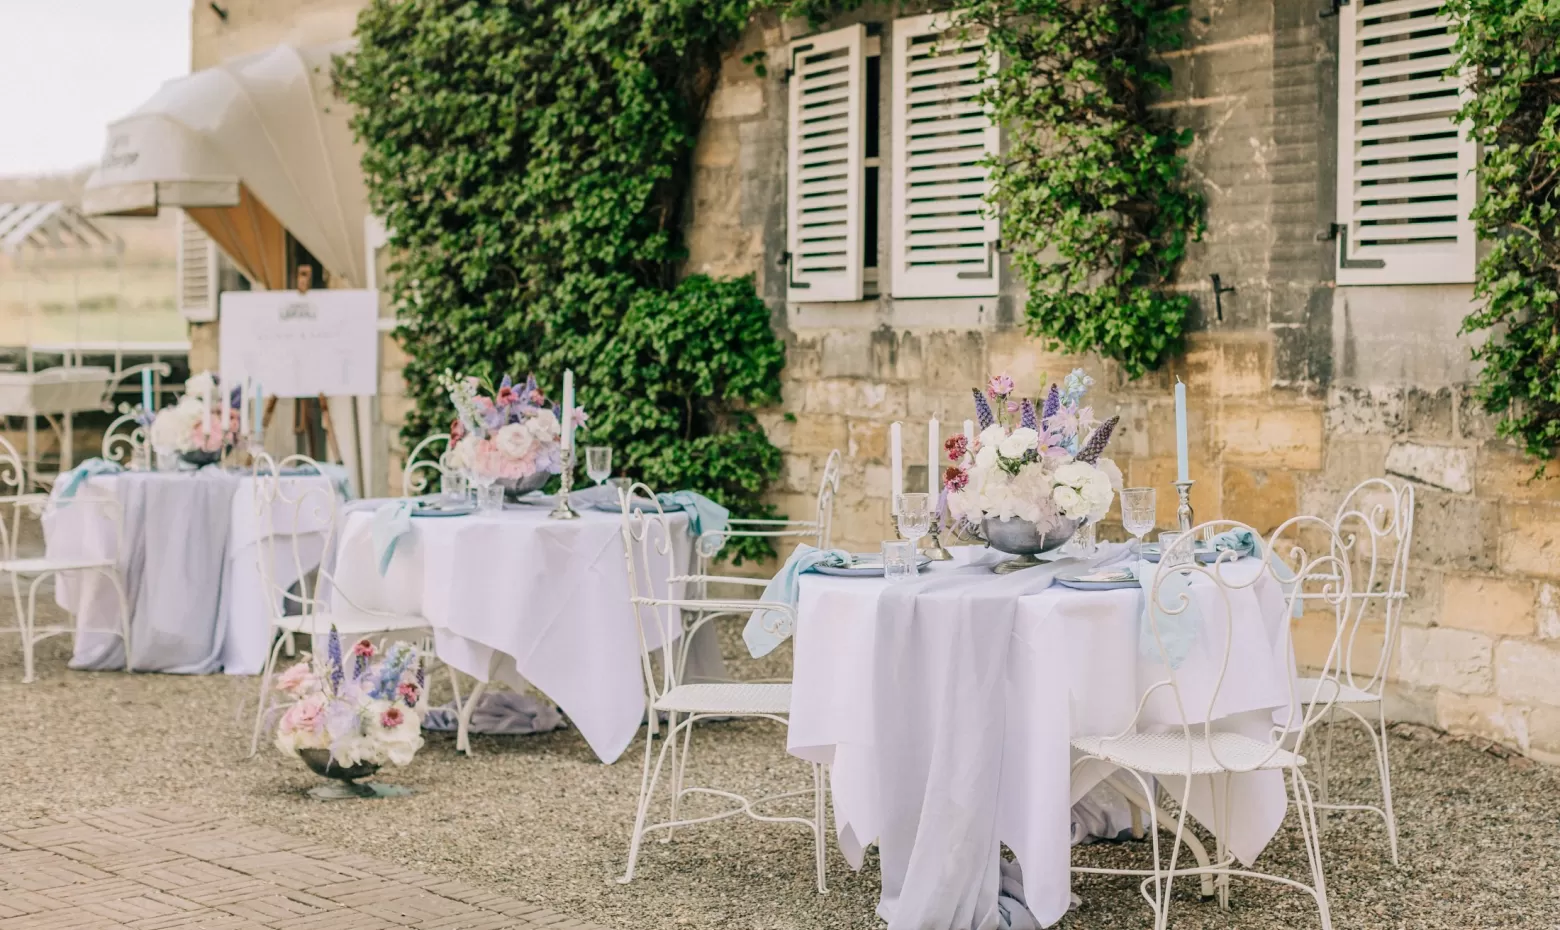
x=67 y=67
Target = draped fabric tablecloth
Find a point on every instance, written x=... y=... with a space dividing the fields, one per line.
x=189 y=556
x=515 y=597
x=946 y=717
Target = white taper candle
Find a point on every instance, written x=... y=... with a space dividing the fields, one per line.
x=933 y=461
x=896 y=466
x=568 y=409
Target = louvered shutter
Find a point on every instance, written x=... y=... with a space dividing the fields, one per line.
x=197 y=272
x=823 y=235
x=944 y=242
x=1405 y=165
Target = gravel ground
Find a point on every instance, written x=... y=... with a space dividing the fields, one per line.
x=539 y=818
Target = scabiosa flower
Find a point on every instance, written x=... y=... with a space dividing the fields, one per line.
x=983 y=414
x=407 y=692
x=956 y=479
x=392 y=718
x=1000 y=386
x=956 y=445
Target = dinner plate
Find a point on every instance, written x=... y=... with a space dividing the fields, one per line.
x=1093 y=581
x=443 y=509
x=1205 y=552
x=865 y=564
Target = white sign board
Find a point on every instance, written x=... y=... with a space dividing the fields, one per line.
x=302 y=345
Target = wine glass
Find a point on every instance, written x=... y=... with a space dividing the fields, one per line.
x=914 y=516
x=598 y=463
x=1138 y=513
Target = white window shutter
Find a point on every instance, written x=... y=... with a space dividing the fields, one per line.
x=823 y=234
x=197 y=272
x=944 y=237
x=1405 y=164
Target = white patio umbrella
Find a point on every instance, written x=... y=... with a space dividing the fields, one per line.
x=251 y=149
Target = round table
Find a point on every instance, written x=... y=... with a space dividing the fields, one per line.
x=188 y=545
x=516 y=597
x=945 y=706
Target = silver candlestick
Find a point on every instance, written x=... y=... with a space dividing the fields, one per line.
x=1183 y=511
x=934 y=548
x=563 y=511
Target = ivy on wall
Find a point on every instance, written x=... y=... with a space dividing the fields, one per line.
x=531 y=158
x=1511 y=51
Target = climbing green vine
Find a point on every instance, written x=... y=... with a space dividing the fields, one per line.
x=1511 y=50
x=532 y=159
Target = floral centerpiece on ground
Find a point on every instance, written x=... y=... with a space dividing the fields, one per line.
x=199 y=424
x=510 y=433
x=1042 y=465
x=363 y=709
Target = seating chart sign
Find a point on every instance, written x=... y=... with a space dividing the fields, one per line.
x=302 y=345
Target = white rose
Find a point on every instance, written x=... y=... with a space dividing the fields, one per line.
x=544 y=426
x=1069 y=502
x=1022 y=440
x=992 y=435
x=463 y=455
x=986 y=457
x=401 y=743
x=1075 y=474
x=514 y=440
x=200 y=384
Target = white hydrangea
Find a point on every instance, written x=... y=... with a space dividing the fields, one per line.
x=1083 y=491
x=1018 y=442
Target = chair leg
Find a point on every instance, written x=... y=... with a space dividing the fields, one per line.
x=1386 y=783
x=820 y=836
x=678 y=774
x=463 y=716
x=647 y=784
x=24 y=625
x=1323 y=795
x=1305 y=811
x=265 y=690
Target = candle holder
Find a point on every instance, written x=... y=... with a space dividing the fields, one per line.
x=934 y=548
x=563 y=511
x=1183 y=511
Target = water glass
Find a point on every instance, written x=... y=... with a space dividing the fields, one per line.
x=1084 y=541
x=914 y=516
x=899 y=560
x=1139 y=510
x=167 y=460
x=490 y=498
x=598 y=463
x=1173 y=556
x=140 y=457
x=452 y=484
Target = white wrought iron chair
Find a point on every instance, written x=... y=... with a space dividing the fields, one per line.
x=124 y=441
x=1196 y=747
x=1375 y=528
x=299 y=522
x=105 y=565
x=647 y=549
x=427 y=467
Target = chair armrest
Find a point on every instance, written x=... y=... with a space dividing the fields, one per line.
x=722 y=579
x=718 y=605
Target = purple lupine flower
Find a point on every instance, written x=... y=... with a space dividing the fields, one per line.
x=1053 y=403
x=235 y=398
x=983 y=414
x=422 y=675
x=333 y=656
x=1096 y=444
x=1026 y=415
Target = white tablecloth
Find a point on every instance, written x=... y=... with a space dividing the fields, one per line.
x=878 y=698
x=516 y=597
x=191 y=543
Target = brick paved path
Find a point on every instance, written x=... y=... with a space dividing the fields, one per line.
x=152 y=869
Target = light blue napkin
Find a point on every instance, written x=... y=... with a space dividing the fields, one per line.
x=704 y=515
x=392 y=520
x=72 y=480
x=1177 y=631
x=783 y=588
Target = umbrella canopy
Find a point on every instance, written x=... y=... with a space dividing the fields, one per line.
x=251 y=149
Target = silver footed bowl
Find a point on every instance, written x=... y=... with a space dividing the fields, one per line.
x=1024 y=539
x=321 y=764
x=515 y=488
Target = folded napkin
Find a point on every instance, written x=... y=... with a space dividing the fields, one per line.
x=761 y=636
x=72 y=480
x=1177 y=631
x=704 y=515
x=392 y=520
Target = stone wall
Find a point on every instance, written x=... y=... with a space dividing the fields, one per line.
x=1300 y=390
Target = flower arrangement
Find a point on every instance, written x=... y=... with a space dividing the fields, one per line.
x=1041 y=465
x=506 y=433
x=363 y=712
x=198 y=423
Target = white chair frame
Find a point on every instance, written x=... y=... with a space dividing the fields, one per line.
x=14 y=492
x=121 y=444
x=316 y=501
x=1375 y=528
x=1197 y=749
x=647 y=543
x=422 y=466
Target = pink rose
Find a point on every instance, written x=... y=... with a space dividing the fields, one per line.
x=297 y=680
x=307 y=714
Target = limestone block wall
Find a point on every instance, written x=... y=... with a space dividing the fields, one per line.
x=1299 y=389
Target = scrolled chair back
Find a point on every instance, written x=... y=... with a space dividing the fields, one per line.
x=14 y=494
x=426 y=465
x=828 y=489
x=1302 y=552
x=123 y=439
x=298 y=523
x=649 y=552
x=1375 y=528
